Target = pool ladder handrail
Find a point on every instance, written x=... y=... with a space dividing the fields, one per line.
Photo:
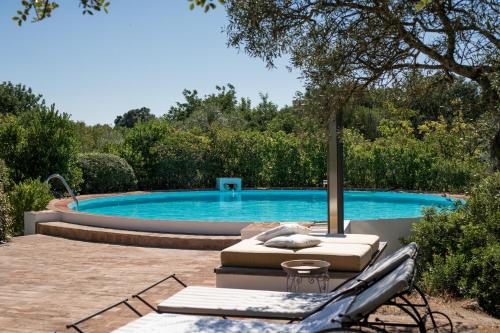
x=63 y=181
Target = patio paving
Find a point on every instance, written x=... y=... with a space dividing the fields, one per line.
x=48 y=282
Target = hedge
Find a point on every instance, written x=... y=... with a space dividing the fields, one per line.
x=105 y=173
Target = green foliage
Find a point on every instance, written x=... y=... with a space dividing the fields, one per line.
x=38 y=143
x=181 y=161
x=220 y=109
x=99 y=138
x=205 y=4
x=139 y=151
x=132 y=117
x=4 y=176
x=259 y=117
x=438 y=156
x=460 y=253
x=5 y=218
x=29 y=195
x=105 y=173
x=164 y=157
x=40 y=10
x=15 y=99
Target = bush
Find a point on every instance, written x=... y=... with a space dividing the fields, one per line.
x=30 y=195
x=5 y=219
x=38 y=143
x=460 y=252
x=446 y=158
x=138 y=151
x=105 y=173
x=4 y=176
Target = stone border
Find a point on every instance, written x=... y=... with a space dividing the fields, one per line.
x=135 y=238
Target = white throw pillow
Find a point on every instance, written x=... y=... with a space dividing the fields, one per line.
x=293 y=241
x=282 y=230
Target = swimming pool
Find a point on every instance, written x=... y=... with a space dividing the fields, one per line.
x=261 y=205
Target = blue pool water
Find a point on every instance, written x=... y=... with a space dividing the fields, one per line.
x=261 y=205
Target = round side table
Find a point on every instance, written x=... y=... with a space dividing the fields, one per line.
x=312 y=271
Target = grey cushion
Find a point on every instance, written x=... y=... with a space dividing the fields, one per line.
x=380 y=268
x=382 y=291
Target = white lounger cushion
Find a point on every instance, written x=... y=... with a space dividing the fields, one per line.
x=243 y=302
x=348 y=309
x=176 y=323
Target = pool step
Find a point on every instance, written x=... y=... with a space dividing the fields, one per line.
x=135 y=238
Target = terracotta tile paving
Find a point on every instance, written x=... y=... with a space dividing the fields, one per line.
x=48 y=282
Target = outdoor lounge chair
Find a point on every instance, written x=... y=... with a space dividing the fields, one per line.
x=348 y=313
x=274 y=304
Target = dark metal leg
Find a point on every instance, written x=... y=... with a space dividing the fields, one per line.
x=138 y=295
x=124 y=301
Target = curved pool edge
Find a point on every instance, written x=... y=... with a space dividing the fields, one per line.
x=137 y=224
x=222 y=228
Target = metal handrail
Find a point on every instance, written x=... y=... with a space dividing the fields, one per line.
x=63 y=181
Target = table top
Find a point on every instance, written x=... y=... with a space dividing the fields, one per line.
x=305 y=267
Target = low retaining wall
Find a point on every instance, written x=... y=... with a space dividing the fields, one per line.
x=389 y=230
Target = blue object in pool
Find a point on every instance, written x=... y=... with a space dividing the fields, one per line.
x=262 y=205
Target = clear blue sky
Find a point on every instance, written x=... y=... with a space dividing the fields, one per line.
x=143 y=53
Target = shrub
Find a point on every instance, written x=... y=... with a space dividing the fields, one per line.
x=181 y=161
x=30 y=195
x=441 y=161
x=4 y=176
x=38 y=143
x=5 y=219
x=460 y=253
x=104 y=173
x=139 y=153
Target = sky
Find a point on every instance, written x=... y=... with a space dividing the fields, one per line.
x=143 y=53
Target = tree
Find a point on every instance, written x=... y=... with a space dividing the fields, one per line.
x=39 y=10
x=258 y=117
x=220 y=109
x=132 y=117
x=38 y=143
x=15 y=99
x=353 y=44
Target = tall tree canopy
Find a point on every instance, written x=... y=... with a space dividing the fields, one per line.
x=132 y=117
x=368 y=42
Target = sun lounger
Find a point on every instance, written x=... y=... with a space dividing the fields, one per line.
x=337 y=315
x=273 y=304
